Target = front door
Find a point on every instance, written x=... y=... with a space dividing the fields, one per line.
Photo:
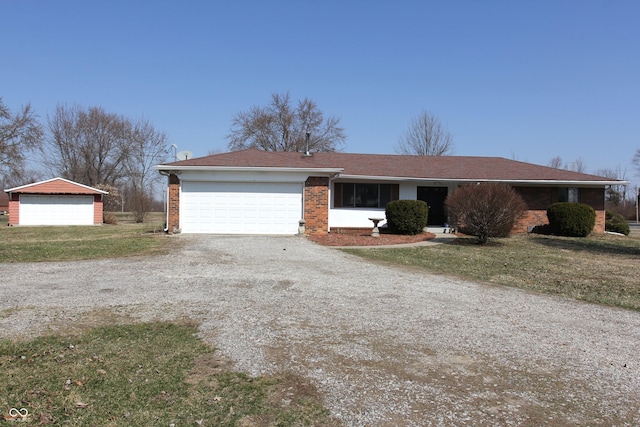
x=434 y=197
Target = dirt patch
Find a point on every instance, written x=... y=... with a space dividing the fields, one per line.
x=365 y=239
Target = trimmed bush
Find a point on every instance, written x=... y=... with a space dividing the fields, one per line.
x=616 y=223
x=485 y=210
x=406 y=216
x=571 y=219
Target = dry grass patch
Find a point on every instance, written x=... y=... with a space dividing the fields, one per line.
x=596 y=269
x=145 y=374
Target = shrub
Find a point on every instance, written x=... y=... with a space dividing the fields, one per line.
x=109 y=218
x=485 y=210
x=406 y=216
x=542 y=229
x=571 y=219
x=615 y=223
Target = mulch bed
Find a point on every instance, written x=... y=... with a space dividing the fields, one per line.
x=365 y=239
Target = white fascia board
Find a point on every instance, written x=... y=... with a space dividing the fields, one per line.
x=510 y=181
x=550 y=182
x=328 y=171
x=12 y=190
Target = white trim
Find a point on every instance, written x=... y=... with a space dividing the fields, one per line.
x=336 y=172
x=249 y=169
x=13 y=190
x=465 y=180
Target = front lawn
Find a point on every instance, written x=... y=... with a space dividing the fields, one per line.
x=155 y=374
x=601 y=270
x=69 y=243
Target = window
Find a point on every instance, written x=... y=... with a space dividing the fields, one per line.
x=569 y=194
x=356 y=195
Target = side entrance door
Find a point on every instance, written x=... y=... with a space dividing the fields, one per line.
x=434 y=197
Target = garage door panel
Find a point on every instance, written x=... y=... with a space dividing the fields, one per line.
x=241 y=208
x=56 y=210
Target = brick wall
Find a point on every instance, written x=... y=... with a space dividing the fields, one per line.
x=316 y=204
x=173 y=222
x=98 y=217
x=532 y=218
x=594 y=197
x=14 y=209
x=538 y=199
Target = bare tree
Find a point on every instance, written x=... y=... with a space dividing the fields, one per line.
x=614 y=194
x=282 y=127
x=576 y=166
x=22 y=177
x=636 y=160
x=555 y=163
x=97 y=148
x=426 y=136
x=20 y=134
x=146 y=148
x=87 y=145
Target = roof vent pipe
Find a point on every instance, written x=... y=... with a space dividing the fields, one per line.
x=306 y=153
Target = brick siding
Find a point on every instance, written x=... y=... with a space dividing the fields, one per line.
x=173 y=222
x=14 y=209
x=98 y=217
x=316 y=205
x=538 y=199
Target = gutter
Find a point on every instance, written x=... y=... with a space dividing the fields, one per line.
x=476 y=180
x=166 y=221
x=162 y=168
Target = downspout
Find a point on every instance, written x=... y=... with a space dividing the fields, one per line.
x=166 y=221
x=329 y=193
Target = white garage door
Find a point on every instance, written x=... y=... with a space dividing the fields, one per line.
x=240 y=208
x=55 y=210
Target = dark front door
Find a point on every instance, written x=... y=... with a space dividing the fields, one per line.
x=435 y=197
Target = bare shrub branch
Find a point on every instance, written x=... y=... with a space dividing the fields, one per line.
x=485 y=210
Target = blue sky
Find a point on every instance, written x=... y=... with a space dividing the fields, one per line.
x=528 y=80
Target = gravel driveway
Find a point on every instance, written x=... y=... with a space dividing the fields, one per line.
x=385 y=346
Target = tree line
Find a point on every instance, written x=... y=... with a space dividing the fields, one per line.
x=87 y=145
x=115 y=153
x=109 y=151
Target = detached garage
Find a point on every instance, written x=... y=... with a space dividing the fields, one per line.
x=57 y=201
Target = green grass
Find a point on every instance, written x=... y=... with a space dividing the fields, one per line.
x=68 y=243
x=143 y=375
x=601 y=270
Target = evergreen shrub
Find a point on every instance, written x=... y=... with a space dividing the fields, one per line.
x=571 y=219
x=406 y=216
x=615 y=223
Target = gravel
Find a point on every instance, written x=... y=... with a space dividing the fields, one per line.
x=384 y=345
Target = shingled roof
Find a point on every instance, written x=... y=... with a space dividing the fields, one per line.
x=462 y=168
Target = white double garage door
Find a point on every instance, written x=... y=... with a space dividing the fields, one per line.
x=240 y=207
x=55 y=210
